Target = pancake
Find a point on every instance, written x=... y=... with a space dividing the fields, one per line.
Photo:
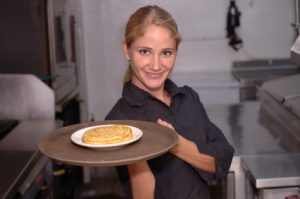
x=110 y=134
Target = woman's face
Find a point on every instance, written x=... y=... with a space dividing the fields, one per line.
x=152 y=57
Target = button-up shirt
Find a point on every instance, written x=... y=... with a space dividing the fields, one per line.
x=175 y=178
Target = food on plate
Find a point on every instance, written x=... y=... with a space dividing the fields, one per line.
x=108 y=134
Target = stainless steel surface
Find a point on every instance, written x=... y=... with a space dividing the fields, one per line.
x=25 y=97
x=230 y=186
x=297 y=15
x=36 y=169
x=285 y=91
x=28 y=100
x=62 y=49
x=280 y=193
x=273 y=170
x=212 y=87
x=281 y=121
x=20 y=157
x=295 y=51
x=258 y=71
x=26 y=135
x=243 y=128
x=253 y=73
x=13 y=168
x=280 y=106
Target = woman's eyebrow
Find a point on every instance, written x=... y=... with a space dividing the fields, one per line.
x=171 y=49
x=148 y=48
x=143 y=47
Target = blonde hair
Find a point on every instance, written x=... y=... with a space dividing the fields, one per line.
x=144 y=17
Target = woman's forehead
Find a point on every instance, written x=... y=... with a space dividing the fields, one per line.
x=156 y=35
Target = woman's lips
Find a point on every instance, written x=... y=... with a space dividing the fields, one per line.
x=154 y=75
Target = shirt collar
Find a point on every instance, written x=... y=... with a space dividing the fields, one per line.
x=138 y=97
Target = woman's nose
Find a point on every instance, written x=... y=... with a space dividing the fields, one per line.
x=155 y=65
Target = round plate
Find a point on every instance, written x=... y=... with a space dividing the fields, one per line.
x=76 y=137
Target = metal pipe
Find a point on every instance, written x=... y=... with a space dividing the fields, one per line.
x=297 y=16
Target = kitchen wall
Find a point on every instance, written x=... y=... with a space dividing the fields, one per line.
x=265 y=29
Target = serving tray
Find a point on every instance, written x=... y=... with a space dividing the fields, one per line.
x=156 y=140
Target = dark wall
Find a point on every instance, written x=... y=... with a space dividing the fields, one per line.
x=23 y=37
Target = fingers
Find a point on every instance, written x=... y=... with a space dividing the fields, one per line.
x=164 y=123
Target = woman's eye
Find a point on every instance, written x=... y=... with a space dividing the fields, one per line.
x=167 y=53
x=144 y=52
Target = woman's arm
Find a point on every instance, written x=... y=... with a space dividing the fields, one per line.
x=188 y=151
x=142 y=180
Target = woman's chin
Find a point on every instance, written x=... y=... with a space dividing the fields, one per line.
x=151 y=84
x=154 y=85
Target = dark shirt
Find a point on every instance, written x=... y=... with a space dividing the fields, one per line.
x=174 y=177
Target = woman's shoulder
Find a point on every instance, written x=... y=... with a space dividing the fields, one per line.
x=117 y=110
x=173 y=87
x=121 y=110
x=192 y=95
x=188 y=90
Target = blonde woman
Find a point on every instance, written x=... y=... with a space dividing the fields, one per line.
x=202 y=153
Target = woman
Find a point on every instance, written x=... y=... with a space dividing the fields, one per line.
x=202 y=153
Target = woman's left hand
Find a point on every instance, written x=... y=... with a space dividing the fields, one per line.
x=180 y=138
x=164 y=123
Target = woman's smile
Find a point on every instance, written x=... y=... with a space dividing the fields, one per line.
x=154 y=75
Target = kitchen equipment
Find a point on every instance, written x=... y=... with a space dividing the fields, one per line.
x=251 y=74
x=25 y=171
x=40 y=39
x=277 y=175
x=233 y=22
x=244 y=129
x=25 y=97
x=26 y=113
x=295 y=49
x=272 y=176
x=280 y=106
x=6 y=126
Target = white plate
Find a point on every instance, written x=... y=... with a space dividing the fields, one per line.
x=76 y=137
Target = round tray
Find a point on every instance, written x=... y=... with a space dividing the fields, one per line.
x=156 y=140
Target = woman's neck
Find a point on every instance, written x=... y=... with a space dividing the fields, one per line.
x=160 y=93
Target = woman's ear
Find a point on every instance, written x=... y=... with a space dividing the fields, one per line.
x=126 y=51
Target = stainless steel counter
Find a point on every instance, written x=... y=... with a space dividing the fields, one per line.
x=242 y=127
x=20 y=156
x=273 y=170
